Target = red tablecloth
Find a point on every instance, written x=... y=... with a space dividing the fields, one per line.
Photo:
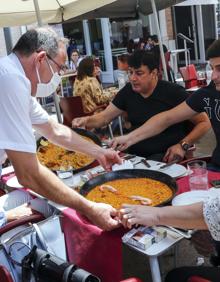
x=97 y=251
x=183 y=182
x=91 y=248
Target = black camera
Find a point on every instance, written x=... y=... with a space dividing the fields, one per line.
x=46 y=267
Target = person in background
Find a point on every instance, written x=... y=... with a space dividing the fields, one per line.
x=155 y=46
x=72 y=46
x=141 y=99
x=122 y=62
x=149 y=44
x=75 y=60
x=34 y=66
x=88 y=87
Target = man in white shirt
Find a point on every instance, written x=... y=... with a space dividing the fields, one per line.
x=32 y=70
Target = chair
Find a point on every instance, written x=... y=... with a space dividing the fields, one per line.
x=132 y=280
x=197 y=279
x=189 y=76
x=72 y=107
x=36 y=217
x=5 y=275
x=205 y=158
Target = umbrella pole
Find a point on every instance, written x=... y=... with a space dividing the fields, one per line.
x=160 y=40
x=55 y=97
x=37 y=12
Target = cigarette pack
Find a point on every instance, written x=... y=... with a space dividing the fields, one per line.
x=143 y=237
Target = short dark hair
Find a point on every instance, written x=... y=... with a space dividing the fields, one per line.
x=124 y=57
x=36 y=40
x=143 y=57
x=75 y=51
x=86 y=68
x=154 y=38
x=213 y=50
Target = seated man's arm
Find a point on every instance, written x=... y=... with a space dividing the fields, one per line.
x=98 y=120
x=202 y=125
x=154 y=126
x=67 y=138
x=32 y=174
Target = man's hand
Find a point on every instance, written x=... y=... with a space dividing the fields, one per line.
x=137 y=214
x=19 y=212
x=174 y=152
x=121 y=143
x=104 y=216
x=108 y=157
x=80 y=122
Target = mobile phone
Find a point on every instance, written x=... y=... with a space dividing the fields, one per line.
x=216 y=183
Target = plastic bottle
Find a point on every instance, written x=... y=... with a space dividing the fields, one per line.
x=208 y=70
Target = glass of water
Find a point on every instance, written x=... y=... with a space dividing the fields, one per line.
x=198 y=175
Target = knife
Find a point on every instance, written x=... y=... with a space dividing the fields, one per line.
x=169 y=164
x=145 y=162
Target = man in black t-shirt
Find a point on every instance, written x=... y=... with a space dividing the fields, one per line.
x=141 y=99
x=206 y=99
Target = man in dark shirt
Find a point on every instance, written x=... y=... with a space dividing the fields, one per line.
x=141 y=99
x=206 y=99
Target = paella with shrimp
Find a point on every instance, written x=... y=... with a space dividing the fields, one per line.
x=144 y=191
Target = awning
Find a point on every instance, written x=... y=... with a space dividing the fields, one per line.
x=198 y=2
x=19 y=12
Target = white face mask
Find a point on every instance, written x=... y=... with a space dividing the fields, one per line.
x=46 y=89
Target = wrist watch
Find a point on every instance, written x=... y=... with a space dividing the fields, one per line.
x=185 y=146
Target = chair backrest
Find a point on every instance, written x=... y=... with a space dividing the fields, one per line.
x=5 y=275
x=36 y=217
x=72 y=107
x=189 y=76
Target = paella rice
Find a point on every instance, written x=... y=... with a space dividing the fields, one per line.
x=154 y=190
x=56 y=158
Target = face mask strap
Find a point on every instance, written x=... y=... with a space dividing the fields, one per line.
x=50 y=66
x=38 y=75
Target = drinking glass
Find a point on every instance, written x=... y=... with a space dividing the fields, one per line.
x=201 y=77
x=198 y=175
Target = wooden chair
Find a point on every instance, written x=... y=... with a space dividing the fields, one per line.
x=189 y=76
x=72 y=107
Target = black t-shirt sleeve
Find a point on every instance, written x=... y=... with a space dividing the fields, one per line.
x=120 y=99
x=195 y=101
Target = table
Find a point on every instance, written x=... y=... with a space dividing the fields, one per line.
x=100 y=252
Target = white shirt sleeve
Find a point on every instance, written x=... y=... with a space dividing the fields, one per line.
x=15 y=118
x=37 y=113
x=211 y=212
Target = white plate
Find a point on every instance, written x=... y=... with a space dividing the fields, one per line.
x=125 y=165
x=190 y=197
x=13 y=182
x=174 y=170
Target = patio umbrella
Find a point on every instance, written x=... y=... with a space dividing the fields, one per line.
x=23 y=12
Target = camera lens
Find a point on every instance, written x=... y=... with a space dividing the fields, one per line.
x=80 y=275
